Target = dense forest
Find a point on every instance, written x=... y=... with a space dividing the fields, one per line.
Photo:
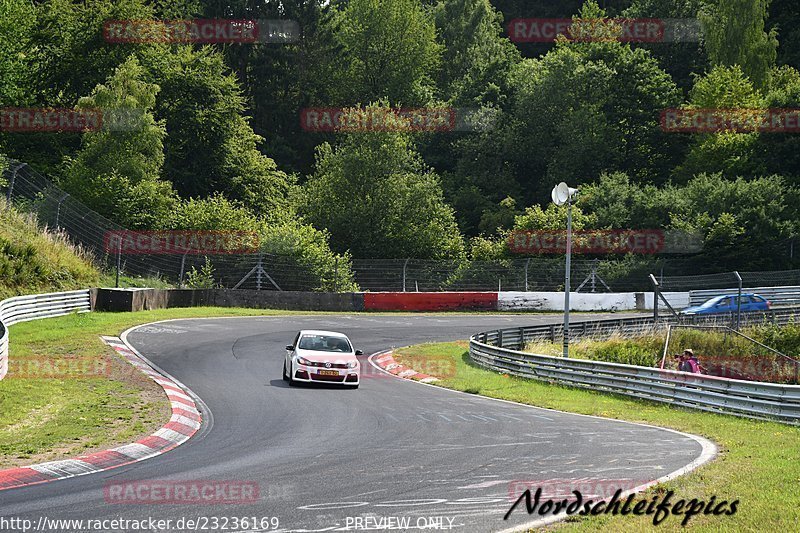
x=220 y=142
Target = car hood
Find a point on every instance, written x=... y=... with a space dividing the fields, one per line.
x=695 y=309
x=326 y=357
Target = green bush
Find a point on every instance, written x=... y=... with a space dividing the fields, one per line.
x=711 y=346
x=203 y=278
x=33 y=260
x=293 y=241
x=641 y=351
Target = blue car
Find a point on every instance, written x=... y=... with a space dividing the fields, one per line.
x=728 y=304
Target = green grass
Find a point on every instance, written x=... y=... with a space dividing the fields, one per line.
x=723 y=353
x=43 y=418
x=32 y=260
x=758 y=463
x=127 y=281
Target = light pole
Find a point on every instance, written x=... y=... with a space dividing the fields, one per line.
x=562 y=194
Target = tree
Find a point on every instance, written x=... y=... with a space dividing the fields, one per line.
x=64 y=56
x=475 y=75
x=552 y=217
x=476 y=58
x=498 y=217
x=745 y=223
x=388 y=50
x=681 y=59
x=779 y=153
x=563 y=9
x=116 y=172
x=785 y=19
x=476 y=64
x=213 y=213
x=280 y=80
x=17 y=19
x=589 y=107
x=482 y=179
x=378 y=199
x=735 y=35
x=730 y=153
x=309 y=250
x=294 y=242
x=71 y=53
x=533 y=218
x=619 y=203
x=18 y=83
x=203 y=278
x=211 y=147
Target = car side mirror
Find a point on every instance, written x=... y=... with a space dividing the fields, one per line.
x=289 y=347
x=359 y=352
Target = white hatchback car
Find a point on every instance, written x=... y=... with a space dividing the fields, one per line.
x=322 y=356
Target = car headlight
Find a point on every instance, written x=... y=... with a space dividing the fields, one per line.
x=303 y=361
x=352 y=364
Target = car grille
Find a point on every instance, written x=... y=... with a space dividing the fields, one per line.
x=318 y=377
x=333 y=365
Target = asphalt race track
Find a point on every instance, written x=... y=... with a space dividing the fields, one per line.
x=392 y=448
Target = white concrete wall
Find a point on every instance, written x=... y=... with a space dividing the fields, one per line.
x=579 y=301
x=678 y=300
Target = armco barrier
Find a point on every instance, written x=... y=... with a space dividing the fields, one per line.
x=23 y=308
x=498 y=350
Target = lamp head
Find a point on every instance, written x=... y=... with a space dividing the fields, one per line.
x=562 y=193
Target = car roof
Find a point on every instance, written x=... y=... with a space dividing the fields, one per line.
x=721 y=296
x=321 y=332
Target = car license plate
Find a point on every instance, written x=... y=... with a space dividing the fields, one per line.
x=328 y=372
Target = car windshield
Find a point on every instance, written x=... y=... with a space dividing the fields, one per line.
x=324 y=343
x=714 y=301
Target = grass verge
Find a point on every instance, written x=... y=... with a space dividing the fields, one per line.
x=758 y=463
x=35 y=260
x=68 y=393
x=108 y=279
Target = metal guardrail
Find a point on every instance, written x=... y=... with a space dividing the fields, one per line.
x=36 y=306
x=498 y=350
x=776 y=295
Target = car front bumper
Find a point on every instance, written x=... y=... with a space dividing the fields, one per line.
x=348 y=376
